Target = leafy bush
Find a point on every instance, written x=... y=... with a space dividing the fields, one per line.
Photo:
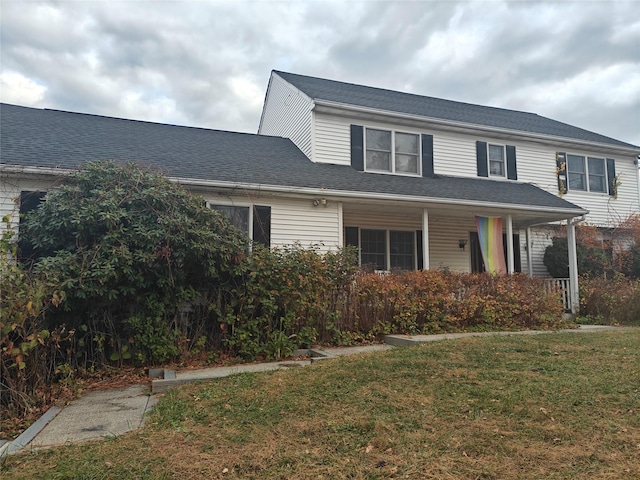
x=424 y=302
x=27 y=347
x=600 y=252
x=135 y=254
x=593 y=261
x=293 y=297
x=612 y=301
x=288 y=298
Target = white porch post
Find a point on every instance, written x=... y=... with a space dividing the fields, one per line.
x=529 y=255
x=340 y=226
x=510 y=259
x=574 y=295
x=425 y=239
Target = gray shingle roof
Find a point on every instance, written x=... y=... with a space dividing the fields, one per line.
x=55 y=139
x=398 y=102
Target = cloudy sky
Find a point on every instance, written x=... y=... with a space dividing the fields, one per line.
x=207 y=63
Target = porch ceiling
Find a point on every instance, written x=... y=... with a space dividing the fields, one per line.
x=412 y=211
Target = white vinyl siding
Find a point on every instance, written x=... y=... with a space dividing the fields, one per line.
x=444 y=238
x=332 y=140
x=287 y=113
x=454 y=154
x=537 y=164
x=9 y=194
x=541 y=238
x=293 y=220
x=10 y=189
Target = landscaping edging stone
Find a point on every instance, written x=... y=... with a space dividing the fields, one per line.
x=30 y=433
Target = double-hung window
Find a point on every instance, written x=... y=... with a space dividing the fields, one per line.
x=586 y=173
x=388 y=249
x=255 y=222
x=373 y=248
x=496 y=160
x=389 y=151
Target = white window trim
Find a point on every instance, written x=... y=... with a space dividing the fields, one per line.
x=504 y=160
x=211 y=204
x=393 y=151
x=585 y=159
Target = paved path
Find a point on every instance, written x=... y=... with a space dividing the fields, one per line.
x=113 y=412
x=98 y=414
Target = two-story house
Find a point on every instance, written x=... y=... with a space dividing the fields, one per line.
x=389 y=133
x=412 y=181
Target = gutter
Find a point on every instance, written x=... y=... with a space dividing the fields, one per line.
x=374 y=196
x=314 y=191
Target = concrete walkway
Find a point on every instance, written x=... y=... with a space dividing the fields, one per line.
x=113 y=412
x=97 y=414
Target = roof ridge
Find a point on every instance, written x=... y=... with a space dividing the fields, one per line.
x=165 y=124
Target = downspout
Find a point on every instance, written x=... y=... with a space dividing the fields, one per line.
x=574 y=293
x=637 y=164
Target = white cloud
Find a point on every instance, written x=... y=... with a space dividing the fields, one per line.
x=20 y=90
x=247 y=91
x=208 y=63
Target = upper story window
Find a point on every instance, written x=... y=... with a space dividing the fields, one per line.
x=496 y=160
x=390 y=151
x=584 y=173
x=588 y=174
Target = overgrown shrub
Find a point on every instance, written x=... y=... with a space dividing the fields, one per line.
x=293 y=297
x=424 y=302
x=289 y=298
x=600 y=252
x=28 y=349
x=611 y=301
x=137 y=257
x=592 y=261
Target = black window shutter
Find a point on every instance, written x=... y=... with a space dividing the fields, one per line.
x=427 y=155
x=357 y=153
x=481 y=157
x=262 y=225
x=419 y=250
x=512 y=171
x=611 y=175
x=561 y=168
x=351 y=237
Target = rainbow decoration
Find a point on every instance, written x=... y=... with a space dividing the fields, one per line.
x=490 y=238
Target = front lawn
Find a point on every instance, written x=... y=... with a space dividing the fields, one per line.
x=547 y=406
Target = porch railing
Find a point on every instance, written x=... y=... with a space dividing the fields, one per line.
x=561 y=286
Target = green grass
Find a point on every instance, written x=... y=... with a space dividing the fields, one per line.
x=553 y=406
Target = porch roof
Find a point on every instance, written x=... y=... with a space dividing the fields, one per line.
x=51 y=141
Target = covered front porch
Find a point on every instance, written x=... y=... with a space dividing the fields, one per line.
x=404 y=236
